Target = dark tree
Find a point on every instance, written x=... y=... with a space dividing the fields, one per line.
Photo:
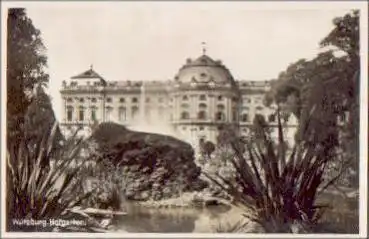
x=40 y=117
x=326 y=88
x=26 y=62
x=207 y=148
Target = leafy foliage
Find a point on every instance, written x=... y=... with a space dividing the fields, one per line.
x=329 y=83
x=207 y=148
x=36 y=191
x=276 y=187
x=26 y=63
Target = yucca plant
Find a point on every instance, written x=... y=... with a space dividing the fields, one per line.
x=36 y=189
x=276 y=186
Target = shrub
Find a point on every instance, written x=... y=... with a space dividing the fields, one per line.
x=277 y=187
x=41 y=179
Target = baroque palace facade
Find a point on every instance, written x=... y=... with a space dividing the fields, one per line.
x=193 y=106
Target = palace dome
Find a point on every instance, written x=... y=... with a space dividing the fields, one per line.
x=204 y=70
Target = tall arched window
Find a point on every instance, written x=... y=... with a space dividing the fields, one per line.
x=245 y=117
x=202 y=106
x=134 y=100
x=122 y=113
x=134 y=112
x=220 y=116
x=185 y=97
x=93 y=113
x=81 y=113
x=109 y=113
x=69 y=113
x=220 y=107
x=185 y=115
x=201 y=115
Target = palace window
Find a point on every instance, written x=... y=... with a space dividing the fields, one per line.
x=271 y=118
x=93 y=113
x=185 y=115
x=220 y=97
x=70 y=113
x=134 y=100
x=259 y=108
x=201 y=141
x=220 y=116
x=122 y=100
x=109 y=112
x=93 y=100
x=81 y=100
x=202 y=97
x=245 y=117
x=81 y=115
x=202 y=106
x=134 y=112
x=201 y=128
x=185 y=97
x=109 y=100
x=201 y=115
x=122 y=113
x=220 y=107
x=69 y=100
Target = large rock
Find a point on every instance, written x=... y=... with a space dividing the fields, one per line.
x=154 y=166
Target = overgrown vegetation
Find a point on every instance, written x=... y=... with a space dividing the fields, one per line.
x=330 y=83
x=42 y=180
x=41 y=170
x=277 y=186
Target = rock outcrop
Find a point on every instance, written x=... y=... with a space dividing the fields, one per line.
x=153 y=166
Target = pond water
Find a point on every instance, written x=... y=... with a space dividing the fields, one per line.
x=341 y=218
x=176 y=220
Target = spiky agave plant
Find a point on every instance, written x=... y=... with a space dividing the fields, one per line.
x=37 y=190
x=275 y=186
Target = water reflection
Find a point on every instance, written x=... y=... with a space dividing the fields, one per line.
x=170 y=220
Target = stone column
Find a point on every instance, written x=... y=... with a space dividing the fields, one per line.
x=229 y=109
x=212 y=106
x=193 y=107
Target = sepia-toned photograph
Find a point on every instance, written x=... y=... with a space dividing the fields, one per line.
x=184 y=117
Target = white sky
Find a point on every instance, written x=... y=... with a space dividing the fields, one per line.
x=151 y=40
